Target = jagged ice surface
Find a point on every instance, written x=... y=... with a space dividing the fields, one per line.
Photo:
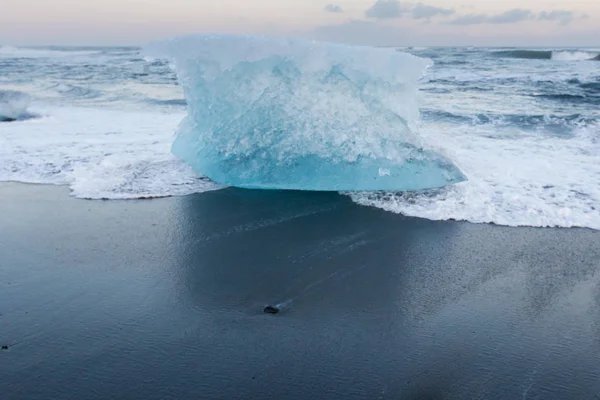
x=280 y=113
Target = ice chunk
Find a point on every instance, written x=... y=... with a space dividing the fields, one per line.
x=281 y=113
x=13 y=105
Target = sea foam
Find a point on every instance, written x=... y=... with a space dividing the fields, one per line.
x=13 y=105
x=98 y=153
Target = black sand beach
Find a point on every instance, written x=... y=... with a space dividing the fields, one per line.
x=164 y=298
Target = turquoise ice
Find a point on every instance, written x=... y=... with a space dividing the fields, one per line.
x=281 y=113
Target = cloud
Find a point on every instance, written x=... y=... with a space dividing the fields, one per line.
x=510 y=17
x=507 y=17
x=424 y=11
x=563 y=17
x=390 y=9
x=378 y=33
x=470 y=19
x=362 y=32
x=386 y=9
x=333 y=8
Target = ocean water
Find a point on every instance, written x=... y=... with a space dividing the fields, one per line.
x=521 y=124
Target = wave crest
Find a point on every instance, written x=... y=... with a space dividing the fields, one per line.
x=557 y=55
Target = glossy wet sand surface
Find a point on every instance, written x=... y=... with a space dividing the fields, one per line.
x=164 y=298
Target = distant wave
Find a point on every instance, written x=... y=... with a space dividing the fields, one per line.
x=169 y=102
x=570 y=98
x=77 y=91
x=574 y=56
x=559 y=55
x=525 y=54
x=29 y=52
x=452 y=62
x=549 y=123
x=591 y=87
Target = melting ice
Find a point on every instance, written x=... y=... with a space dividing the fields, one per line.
x=280 y=113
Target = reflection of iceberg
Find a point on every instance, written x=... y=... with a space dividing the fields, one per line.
x=286 y=113
x=13 y=105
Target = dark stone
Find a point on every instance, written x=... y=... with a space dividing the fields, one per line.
x=5 y=347
x=271 y=310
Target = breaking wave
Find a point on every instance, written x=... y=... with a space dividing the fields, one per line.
x=32 y=52
x=546 y=123
x=13 y=105
x=559 y=55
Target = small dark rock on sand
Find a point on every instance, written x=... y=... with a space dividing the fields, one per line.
x=5 y=347
x=271 y=309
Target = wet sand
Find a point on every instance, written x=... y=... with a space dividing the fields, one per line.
x=164 y=298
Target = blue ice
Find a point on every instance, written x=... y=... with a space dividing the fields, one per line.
x=281 y=113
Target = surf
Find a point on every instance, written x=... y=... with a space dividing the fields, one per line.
x=557 y=55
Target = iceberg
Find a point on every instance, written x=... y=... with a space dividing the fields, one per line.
x=13 y=105
x=283 y=113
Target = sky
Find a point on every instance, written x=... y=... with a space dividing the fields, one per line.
x=555 y=23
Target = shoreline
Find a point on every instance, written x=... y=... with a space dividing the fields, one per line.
x=342 y=194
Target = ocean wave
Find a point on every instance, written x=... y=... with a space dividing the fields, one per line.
x=531 y=181
x=561 y=124
x=592 y=87
x=574 y=56
x=30 y=52
x=531 y=160
x=558 y=55
x=168 y=102
x=525 y=54
x=13 y=105
x=80 y=92
x=568 y=98
x=99 y=154
x=452 y=62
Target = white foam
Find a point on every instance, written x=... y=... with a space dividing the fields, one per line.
x=13 y=104
x=515 y=180
x=99 y=153
x=573 y=55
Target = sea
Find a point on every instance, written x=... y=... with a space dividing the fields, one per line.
x=523 y=124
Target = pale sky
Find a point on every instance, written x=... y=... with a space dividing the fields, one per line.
x=372 y=22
